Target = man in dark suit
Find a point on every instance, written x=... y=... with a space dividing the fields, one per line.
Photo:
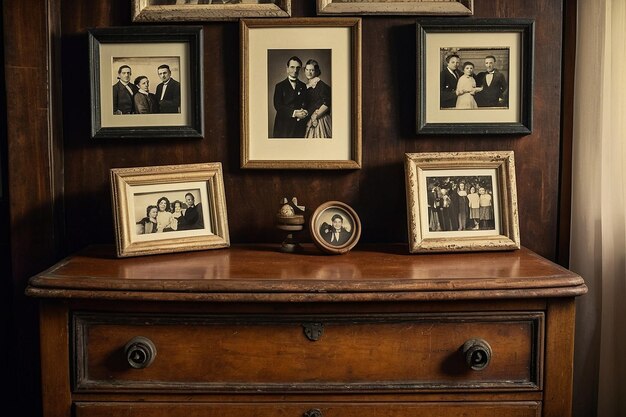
x=448 y=79
x=123 y=92
x=168 y=92
x=495 y=92
x=192 y=219
x=289 y=102
x=335 y=234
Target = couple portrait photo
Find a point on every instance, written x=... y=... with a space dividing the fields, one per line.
x=474 y=78
x=299 y=88
x=146 y=85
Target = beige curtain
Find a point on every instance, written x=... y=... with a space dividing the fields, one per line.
x=598 y=211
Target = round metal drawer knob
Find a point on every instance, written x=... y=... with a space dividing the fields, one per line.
x=314 y=412
x=477 y=354
x=140 y=352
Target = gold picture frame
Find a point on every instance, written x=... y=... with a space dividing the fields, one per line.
x=396 y=7
x=480 y=185
x=172 y=208
x=272 y=136
x=170 y=11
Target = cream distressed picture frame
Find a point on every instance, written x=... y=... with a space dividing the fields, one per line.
x=497 y=167
x=129 y=188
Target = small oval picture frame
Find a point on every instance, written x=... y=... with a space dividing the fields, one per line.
x=335 y=227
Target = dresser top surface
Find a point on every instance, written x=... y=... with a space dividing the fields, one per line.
x=262 y=273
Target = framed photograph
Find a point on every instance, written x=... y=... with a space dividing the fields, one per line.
x=301 y=100
x=171 y=208
x=146 y=82
x=461 y=201
x=395 y=7
x=475 y=76
x=335 y=227
x=206 y=10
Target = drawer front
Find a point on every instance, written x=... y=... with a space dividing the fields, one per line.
x=307 y=354
x=464 y=409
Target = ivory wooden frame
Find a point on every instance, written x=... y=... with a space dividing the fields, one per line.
x=394 y=7
x=122 y=179
x=504 y=164
x=143 y=11
x=317 y=238
x=354 y=24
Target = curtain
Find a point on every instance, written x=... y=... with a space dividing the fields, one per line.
x=598 y=229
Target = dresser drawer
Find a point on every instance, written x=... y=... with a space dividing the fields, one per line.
x=408 y=352
x=465 y=409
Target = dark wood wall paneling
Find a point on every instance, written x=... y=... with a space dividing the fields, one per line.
x=377 y=191
x=46 y=162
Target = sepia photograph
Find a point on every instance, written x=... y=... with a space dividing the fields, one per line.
x=299 y=86
x=335 y=227
x=170 y=211
x=461 y=201
x=146 y=82
x=474 y=76
x=171 y=208
x=146 y=85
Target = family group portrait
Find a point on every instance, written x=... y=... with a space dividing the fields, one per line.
x=146 y=85
x=168 y=212
x=460 y=203
x=299 y=88
x=474 y=78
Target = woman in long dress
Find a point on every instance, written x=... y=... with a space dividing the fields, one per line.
x=318 y=99
x=466 y=88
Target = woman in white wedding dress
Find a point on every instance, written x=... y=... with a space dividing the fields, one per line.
x=466 y=88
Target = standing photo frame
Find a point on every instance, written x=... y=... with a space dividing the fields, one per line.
x=301 y=105
x=461 y=201
x=146 y=82
x=475 y=76
x=335 y=227
x=396 y=7
x=204 y=10
x=172 y=208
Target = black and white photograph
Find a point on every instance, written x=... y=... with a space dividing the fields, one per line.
x=171 y=211
x=146 y=85
x=170 y=208
x=206 y=10
x=301 y=93
x=460 y=203
x=299 y=86
x=474 y=76
x=146 y=81
x=335 y=227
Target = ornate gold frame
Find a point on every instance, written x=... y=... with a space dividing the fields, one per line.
x=123 y=179
x=395 y=7
x=143 y=11
x=504 y=165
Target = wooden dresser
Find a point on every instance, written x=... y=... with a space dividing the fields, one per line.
x=252 y=332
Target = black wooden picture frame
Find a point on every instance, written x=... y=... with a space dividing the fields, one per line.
x=148 y=45
x=472 y=41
